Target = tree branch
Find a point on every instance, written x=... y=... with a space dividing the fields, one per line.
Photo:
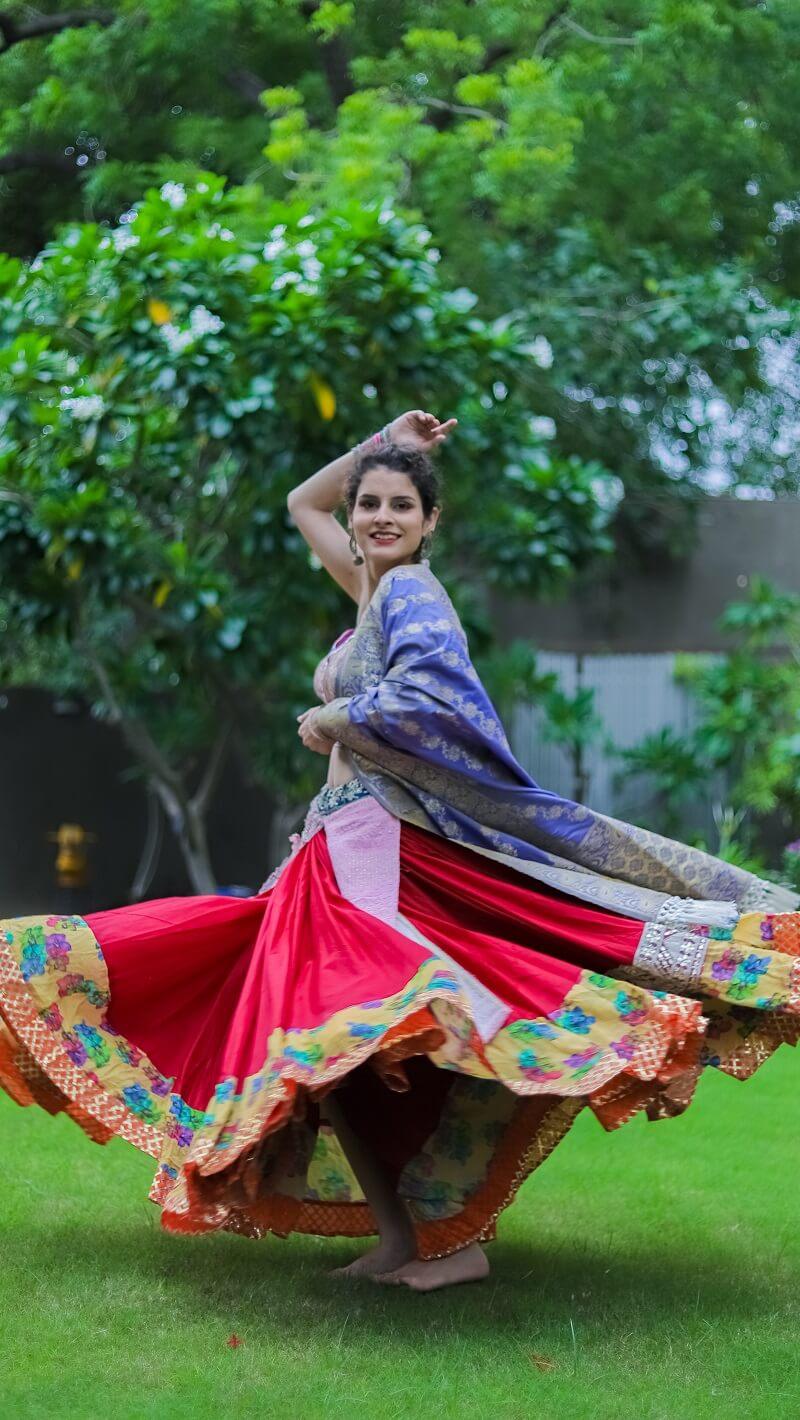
x=494 y=54
x=151 y=847
x=550 y=27
x=246 y=84
x=597 y=39
x=202 y=795
x=444 y=106
x=14 y=33
x=10 y=495
x=135 y=733
x=335 y=57
x=186 y=821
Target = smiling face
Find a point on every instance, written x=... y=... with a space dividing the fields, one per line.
x=388 y=519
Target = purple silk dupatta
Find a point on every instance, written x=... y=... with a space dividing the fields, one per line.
x=429 y=745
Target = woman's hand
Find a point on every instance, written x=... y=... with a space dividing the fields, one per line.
x=420 y=430
x=313 y=739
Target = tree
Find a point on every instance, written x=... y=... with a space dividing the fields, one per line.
x=626 y=173
x=163 y=385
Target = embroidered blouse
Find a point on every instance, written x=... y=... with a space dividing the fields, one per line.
x=340 y=765
x=325 y=673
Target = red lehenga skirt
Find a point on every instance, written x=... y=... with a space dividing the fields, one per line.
x=463 y=1016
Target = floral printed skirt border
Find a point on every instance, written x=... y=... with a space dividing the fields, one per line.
x=464 y=1017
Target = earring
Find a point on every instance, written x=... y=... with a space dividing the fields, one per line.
x=425 y=545
x=357 y=558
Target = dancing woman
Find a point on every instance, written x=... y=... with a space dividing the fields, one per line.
x=449 y=964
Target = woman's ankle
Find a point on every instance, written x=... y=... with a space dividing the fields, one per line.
x=396 y=1225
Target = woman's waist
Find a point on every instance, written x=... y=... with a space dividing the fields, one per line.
x=340 y=766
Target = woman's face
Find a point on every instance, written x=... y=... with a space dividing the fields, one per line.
x=388 y=520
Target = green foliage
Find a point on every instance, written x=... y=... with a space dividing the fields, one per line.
x=165 y=383
x=790 y=866
x=537 y=512
x=747 y=734
x=672 y=767
x=512 y=676
x=626 y=176
x=598 y=265
x=749 y=703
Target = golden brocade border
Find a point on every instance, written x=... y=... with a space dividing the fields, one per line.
x=518 y=1153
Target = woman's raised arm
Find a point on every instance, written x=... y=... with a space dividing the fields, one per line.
x=312 y=506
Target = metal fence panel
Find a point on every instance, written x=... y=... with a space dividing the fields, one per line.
x=547 y=763
x=634 y=695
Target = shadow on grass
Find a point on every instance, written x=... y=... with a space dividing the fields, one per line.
x=216 y=1277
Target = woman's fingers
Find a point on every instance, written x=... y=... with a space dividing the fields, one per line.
x=440 y=433
x=422 y=425
x=311 y=738
x=318 y=743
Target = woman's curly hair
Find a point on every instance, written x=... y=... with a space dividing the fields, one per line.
x=401 y=458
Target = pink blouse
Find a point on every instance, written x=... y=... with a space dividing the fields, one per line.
x=325 y=674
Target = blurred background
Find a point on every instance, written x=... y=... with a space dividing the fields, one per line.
x=235 y=239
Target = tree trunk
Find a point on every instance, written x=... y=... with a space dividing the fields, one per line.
x=187 y=822
x=194 y=845
x=186 y=813
x=151 y=847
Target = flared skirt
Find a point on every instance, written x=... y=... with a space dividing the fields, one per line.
x=463 y=1015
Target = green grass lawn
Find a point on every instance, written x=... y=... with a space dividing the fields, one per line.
x=648 y=1273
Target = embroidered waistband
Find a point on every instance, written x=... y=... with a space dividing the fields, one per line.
x=334 y=796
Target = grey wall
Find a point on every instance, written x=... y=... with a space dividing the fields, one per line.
x=668 y=609
x=634 y=696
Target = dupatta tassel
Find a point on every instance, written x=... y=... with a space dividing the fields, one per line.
x=696 y=912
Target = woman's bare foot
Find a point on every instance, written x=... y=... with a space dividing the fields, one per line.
x=470 y=1264
x=388 y=1256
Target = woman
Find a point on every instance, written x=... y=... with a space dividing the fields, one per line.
x=450 y=963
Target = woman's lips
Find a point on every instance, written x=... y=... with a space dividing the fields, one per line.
x=384 y=537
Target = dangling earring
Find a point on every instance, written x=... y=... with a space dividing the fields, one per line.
x=357 y=558
x=425 y=545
